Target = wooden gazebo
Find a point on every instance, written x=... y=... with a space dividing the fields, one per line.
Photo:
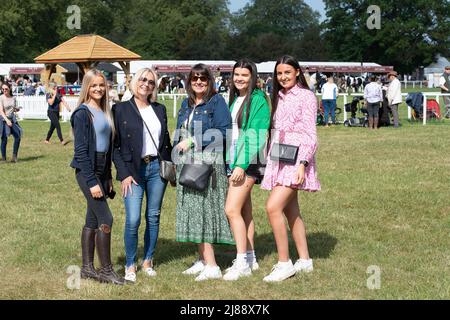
x=87 y=51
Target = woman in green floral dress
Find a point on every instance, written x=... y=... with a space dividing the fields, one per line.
x=202 y=124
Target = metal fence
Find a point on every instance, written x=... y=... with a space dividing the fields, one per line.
x=35 y=107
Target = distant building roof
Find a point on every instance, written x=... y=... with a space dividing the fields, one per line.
x=174 y=66
x=341 y=67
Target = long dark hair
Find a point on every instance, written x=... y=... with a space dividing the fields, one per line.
x=300 y=80
x=202 y=70
x=234 y=93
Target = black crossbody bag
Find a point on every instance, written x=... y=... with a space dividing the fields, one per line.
x=284 y=153
x=197 y=175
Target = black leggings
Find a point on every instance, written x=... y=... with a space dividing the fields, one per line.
x=98 y=212
x=54 y=124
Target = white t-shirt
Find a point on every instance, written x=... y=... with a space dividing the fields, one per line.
x=152 y=121
x=329 y=91
x=235 y=135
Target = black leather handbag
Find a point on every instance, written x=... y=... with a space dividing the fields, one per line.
x=197 y=175
x=284 y=153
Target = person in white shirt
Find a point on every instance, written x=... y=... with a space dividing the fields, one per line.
x=329 y=95
x=394 y=95
x=444 y=84
x=373 y=95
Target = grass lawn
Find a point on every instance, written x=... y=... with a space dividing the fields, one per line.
x=384 y=203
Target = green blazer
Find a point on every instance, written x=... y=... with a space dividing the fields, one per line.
x=253 y=134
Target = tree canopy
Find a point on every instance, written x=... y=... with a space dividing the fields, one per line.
x=412 y=32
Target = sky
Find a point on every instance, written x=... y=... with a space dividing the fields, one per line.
x=315 y=4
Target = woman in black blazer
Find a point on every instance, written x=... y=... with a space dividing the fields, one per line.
x=137 y=163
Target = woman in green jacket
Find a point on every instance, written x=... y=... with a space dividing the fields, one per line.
x=250 y=114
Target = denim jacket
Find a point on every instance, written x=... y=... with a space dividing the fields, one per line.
x=212 y=116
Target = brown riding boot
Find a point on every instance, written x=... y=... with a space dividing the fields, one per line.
x=87 y=249
x=103 y=243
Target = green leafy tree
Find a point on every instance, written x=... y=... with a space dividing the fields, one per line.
x=412 y=32
x=265 y=29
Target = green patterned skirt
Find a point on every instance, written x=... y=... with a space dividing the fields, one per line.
x=201 y=215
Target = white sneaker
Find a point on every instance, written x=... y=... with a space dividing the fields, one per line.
x=130 y=275
x=303 y=265
x=236 y=271
x=197 y=267
x=209 y=273
x=281 y=272
x=149 y=271
x=254 y=265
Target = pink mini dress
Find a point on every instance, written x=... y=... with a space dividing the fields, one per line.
x=294 y=124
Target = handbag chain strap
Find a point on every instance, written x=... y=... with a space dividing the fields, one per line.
x=145 y=124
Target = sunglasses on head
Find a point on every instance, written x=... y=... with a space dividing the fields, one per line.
x=148 y=81
x=202 y=78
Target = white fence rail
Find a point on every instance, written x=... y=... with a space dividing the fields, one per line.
x=35 y=107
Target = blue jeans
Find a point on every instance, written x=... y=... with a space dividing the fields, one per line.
x=15 y=131
x=154 y=187
x=329 y=105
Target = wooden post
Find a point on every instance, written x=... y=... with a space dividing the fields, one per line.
x=126 y=67
x=47 y=73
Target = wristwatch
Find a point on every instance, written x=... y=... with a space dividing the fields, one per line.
x=304 y=162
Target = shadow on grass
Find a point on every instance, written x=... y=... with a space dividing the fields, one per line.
x=320 y=245
x=33 y=158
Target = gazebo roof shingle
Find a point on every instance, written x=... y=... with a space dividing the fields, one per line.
x=85 y=48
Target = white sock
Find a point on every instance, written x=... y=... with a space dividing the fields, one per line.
x=241 y=259
x=285 y=263
x=251 y=256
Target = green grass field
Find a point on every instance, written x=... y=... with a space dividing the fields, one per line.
x=384 y=204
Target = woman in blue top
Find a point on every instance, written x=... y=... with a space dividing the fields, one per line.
x=201 y=127
x=93 y=131
x=54 y=99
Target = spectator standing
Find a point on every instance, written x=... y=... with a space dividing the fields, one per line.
x=293 y=122
x=373 y=96
x=329 y=96
x=250 y=115
x=8 y=122
x=142 y=134
x=444 y=83
x=55 y=99
x=202 y=123
x=113 y=94
x=93 y=131
x=394 y=95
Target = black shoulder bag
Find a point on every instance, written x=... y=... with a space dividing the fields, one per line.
x=196 y=175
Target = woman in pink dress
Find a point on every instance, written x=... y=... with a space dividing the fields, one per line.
x=293 y=122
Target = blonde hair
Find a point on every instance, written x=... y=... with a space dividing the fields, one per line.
x=138 y=75
x=104 y=102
